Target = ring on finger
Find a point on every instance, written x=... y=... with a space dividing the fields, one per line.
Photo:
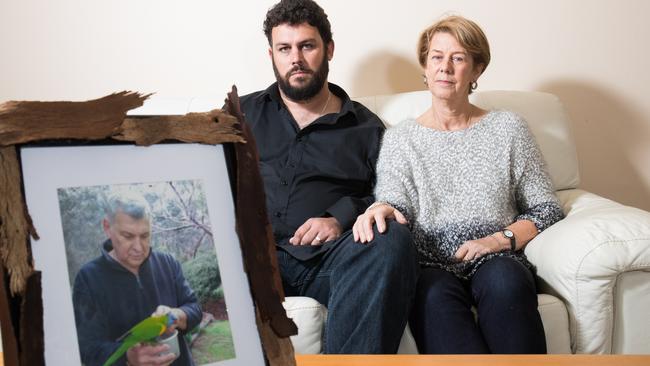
x=317 y=238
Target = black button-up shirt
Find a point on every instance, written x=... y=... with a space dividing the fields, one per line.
x=326 y=169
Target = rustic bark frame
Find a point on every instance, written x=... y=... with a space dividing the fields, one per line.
x=21 y=308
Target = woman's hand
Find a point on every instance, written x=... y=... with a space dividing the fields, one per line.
x=362 y=229
x=474 y=249
x=524 y=230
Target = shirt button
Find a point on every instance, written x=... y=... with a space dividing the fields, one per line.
x=277 y=214
x=283 y=182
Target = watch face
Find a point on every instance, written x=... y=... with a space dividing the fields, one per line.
x=508 y=233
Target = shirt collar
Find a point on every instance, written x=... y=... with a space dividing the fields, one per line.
x=272 y=93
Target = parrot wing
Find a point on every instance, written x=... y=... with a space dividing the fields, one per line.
x=144 y=331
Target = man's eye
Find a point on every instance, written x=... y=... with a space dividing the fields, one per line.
x=283 y=49
x=308 y=46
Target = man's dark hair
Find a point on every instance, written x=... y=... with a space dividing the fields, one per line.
x=295 y=12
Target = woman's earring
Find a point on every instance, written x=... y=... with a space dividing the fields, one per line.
x=424 y=80
x=473 y=85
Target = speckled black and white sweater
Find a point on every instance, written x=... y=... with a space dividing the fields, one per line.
x=455 y=186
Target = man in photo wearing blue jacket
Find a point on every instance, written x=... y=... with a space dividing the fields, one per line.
x=127 y=283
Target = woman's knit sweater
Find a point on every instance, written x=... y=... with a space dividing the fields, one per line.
x=455 y=186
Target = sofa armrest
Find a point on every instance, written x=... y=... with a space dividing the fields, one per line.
x=580 y=258
x=309 y=316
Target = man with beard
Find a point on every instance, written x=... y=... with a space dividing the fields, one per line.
x=317 y=153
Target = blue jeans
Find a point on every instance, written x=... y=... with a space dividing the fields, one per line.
x=367 y=288
x=504 y=293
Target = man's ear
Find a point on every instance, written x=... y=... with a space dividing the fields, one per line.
x=271 y=53
x=330 y=50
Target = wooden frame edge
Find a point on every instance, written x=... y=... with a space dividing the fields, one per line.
x=105 y=118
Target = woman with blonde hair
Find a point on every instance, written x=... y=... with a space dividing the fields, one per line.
x=473 y=188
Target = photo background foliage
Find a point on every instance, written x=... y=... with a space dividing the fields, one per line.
x=180 y=226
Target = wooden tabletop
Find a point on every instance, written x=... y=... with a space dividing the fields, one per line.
x=472 y=360
x=482 y=360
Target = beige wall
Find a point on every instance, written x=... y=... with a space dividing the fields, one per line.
x=593 y=54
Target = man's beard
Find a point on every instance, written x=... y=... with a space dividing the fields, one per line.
x=307 y=91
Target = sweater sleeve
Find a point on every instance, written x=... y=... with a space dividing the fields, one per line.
x=188 y=301
x=395 y=184
x=534 y=192
x=92 y=325
x=347 y=208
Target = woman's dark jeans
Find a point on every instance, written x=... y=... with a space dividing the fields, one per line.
x=504 y=294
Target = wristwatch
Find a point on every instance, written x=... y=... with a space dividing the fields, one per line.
x=510 y=235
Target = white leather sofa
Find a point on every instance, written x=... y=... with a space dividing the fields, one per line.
x=594 y=265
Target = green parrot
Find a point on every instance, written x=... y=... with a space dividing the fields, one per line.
x=145 y=331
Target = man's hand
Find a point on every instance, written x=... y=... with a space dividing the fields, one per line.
x=473 y=249
x=181 y=317
x=362 y=229
x=144 y=354
x=316 y=231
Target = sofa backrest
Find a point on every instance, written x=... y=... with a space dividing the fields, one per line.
x=545 y=114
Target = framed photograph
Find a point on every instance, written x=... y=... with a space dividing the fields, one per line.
x=136 y=241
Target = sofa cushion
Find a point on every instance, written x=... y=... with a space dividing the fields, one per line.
x=556 y=323
x=310 y=317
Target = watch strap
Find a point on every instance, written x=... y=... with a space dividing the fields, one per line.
x=510 y=235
